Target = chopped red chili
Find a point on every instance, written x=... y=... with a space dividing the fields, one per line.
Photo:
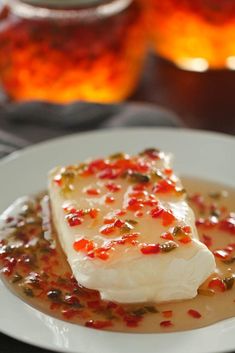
x=132 y=321
x=167 y=236
x=194 y=313
x=148 y=249
x=73 y=220
x=164 y=186
x=109 y=199
x=221 y=254
x=121 y=213
x=113 y=187
x=134 y=205
x=139 y=214
x=107 y=229
x=98 y=324
x=166 y=323
x=93 y=192
x=93 y=212
x=58 y=179
x=207 y=240
x=217 y=284
x=119 y=223
x=80 y=245
x=228 y=224
x=185 y=240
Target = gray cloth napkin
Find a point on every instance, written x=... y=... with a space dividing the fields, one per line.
x=27 y=123
x=22 y=124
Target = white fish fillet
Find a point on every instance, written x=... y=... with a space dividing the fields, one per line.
x=128 y=275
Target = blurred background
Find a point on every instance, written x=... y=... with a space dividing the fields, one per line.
x=75 y=65
x=177 y=54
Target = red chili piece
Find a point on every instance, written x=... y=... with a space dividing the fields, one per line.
x=98 y=324
x=97 y=165
x=199 y=201
x=139 y=214
x=167 y=236
x=156 y=212
x=94 y=304
x=109 y=199
x=228 y=224
x=148 y=249
x=135 y=205
x=187 y=229
x=119 y=223
x=139 y=187
x=221 y=254
x=132 y=321
x=73 y=220
x=153 y=154
x=168 y=171
x=185 y=240
x=167 y=323
x=101 y=253
x=93 y=192
x=109 y=220
x=113 y=187
x=194 y=313
x=107 y=229
x=164 y=187
x=121 y=213
x=217 y=284
x=108 y=173
x=81 y=244
x=93 y=213
x=166 y=215
x=167 y=218
x=207 y=240
x=58 y=179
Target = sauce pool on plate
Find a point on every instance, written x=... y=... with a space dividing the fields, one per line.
x=34 y=267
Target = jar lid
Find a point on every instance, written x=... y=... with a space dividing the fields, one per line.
x=64 y=3
x=67 y=9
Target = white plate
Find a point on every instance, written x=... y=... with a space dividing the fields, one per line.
x=199 y=154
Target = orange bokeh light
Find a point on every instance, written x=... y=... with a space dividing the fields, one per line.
x=194 y=34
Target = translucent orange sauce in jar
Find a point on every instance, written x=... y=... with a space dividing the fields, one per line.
x=195 y=34
x=62 y=51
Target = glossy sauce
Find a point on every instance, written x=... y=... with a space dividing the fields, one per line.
x=34 y=267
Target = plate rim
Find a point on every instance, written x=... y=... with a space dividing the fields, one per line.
x=48 y=142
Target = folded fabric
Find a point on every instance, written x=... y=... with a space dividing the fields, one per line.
x=25 y=123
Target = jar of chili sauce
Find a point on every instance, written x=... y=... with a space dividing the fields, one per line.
x=68 y=50
x=196 y=35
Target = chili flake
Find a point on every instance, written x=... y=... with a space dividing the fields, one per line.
x=93 y=192
x=148 y=249
x=73 y=220
x=217 y=284
x=109 y=199
x=113 y=187
x=98 y=324
x=166 y=323
x=221 y=254
x=194 y=313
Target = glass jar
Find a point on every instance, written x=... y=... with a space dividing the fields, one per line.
x=68 y=50
x=195 y=34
